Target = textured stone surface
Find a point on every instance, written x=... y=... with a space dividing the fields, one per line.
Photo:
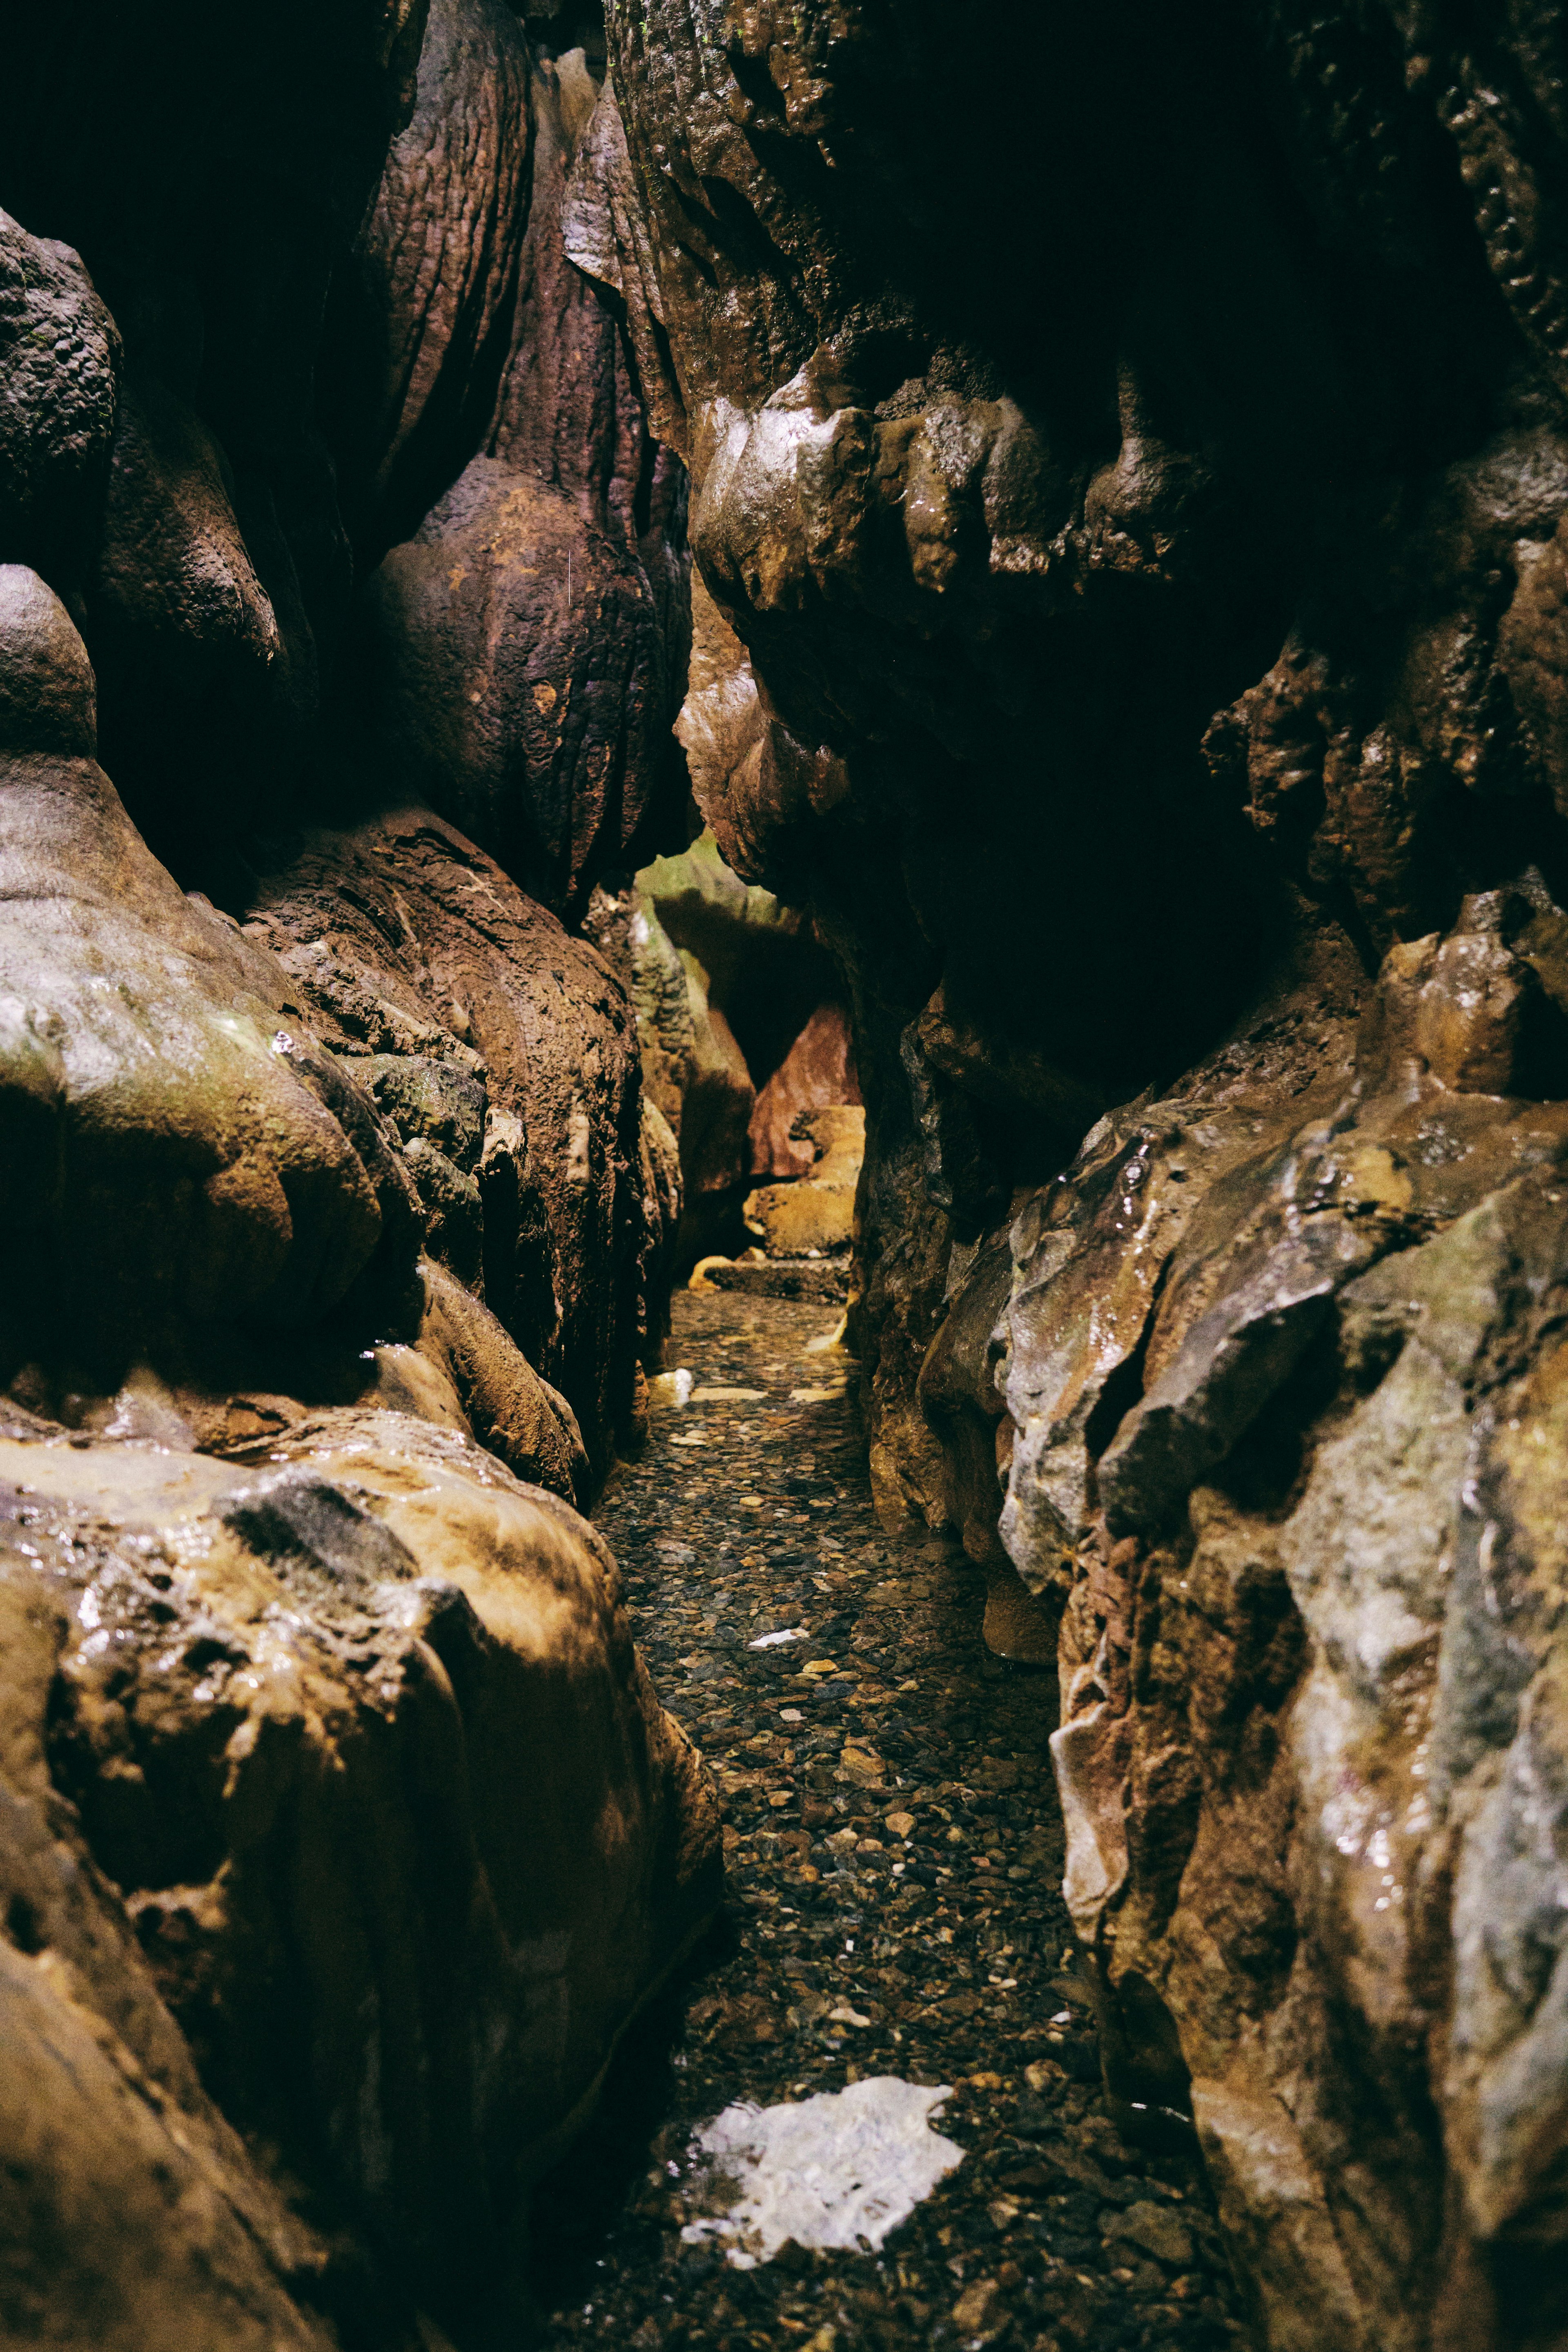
x=61 y=355
x=1132 y=622
x=894 y=1846
x=288 y=1714
x=401 y=935
x=817 y=1210
x=816 y=1074
x=308 y=1969
x=522 y=652
x=174 y=1152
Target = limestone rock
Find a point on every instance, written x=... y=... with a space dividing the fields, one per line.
x=521 y=646
x=1288 y=1697
x=817 y=1210
x=714 y=1010
x=292 y=1711
x=816 y=1074
x=626 y=930
x=1266 y=1092
x=605 y=232
x=400 y=934
x=62 y=354
x=763 y=967
x=423 y=306
x=717 y=1103
x=174 y=1149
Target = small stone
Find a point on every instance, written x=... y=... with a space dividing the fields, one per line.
x=980 y=2311
x=902 y=1824
x=1157 y=2231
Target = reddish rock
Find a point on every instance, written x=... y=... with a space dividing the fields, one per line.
x=522 y=653
x=817 y=1071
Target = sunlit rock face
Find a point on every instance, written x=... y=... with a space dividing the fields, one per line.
x=1133 y=618
x=743 y=1032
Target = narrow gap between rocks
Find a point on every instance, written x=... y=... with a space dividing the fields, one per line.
x=894 y=1850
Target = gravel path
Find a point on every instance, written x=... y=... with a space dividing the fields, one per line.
x=894 y=1848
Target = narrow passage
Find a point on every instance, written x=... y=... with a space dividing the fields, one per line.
x=894 y=1850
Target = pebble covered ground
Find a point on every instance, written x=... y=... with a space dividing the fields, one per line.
x=894 y=1850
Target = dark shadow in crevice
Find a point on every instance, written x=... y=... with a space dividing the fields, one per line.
x=577 y=2205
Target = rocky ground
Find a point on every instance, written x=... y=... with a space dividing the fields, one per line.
x=894 y=1850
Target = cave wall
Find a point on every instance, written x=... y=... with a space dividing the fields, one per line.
x=343 y=617
x=1126 y=490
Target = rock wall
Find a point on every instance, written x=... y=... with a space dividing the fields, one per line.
x=743 y=1026
x=345 y=1836
x=1128 y=478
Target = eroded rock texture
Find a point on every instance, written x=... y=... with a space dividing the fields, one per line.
x=336 y=1225
x=742 y=1027
x=1128 y=478
x=207 y=479
x=339 y=1775
x=522 y=649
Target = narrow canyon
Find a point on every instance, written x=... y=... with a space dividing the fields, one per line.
x=783 y=1101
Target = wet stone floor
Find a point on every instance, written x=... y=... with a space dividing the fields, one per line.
x=894 y=1854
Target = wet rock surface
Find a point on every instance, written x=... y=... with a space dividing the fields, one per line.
x=345 y=1834
x=894 y=1850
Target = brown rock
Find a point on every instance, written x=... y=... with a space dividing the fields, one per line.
x=522 y=649
x=423 y=308
x=402 y=934
x=175 y=1154
x=61 y=355
x=131 y=2210
x=717 y=1103
x=257 y=1708
x=816 y=1212
x=817 y=1073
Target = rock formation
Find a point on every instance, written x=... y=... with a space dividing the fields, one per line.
x=340 y=1811
x=743 y=1031
x=1131 y=616
x=1125 y=651
x=345 y=1834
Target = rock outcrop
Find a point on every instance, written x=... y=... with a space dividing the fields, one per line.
x=339 y=1811
x=1130 y=618
x=345 y=1834
x=741 y=1028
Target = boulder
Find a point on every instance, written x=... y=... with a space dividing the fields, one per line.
x=341 y=1796
x=816 y=1212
